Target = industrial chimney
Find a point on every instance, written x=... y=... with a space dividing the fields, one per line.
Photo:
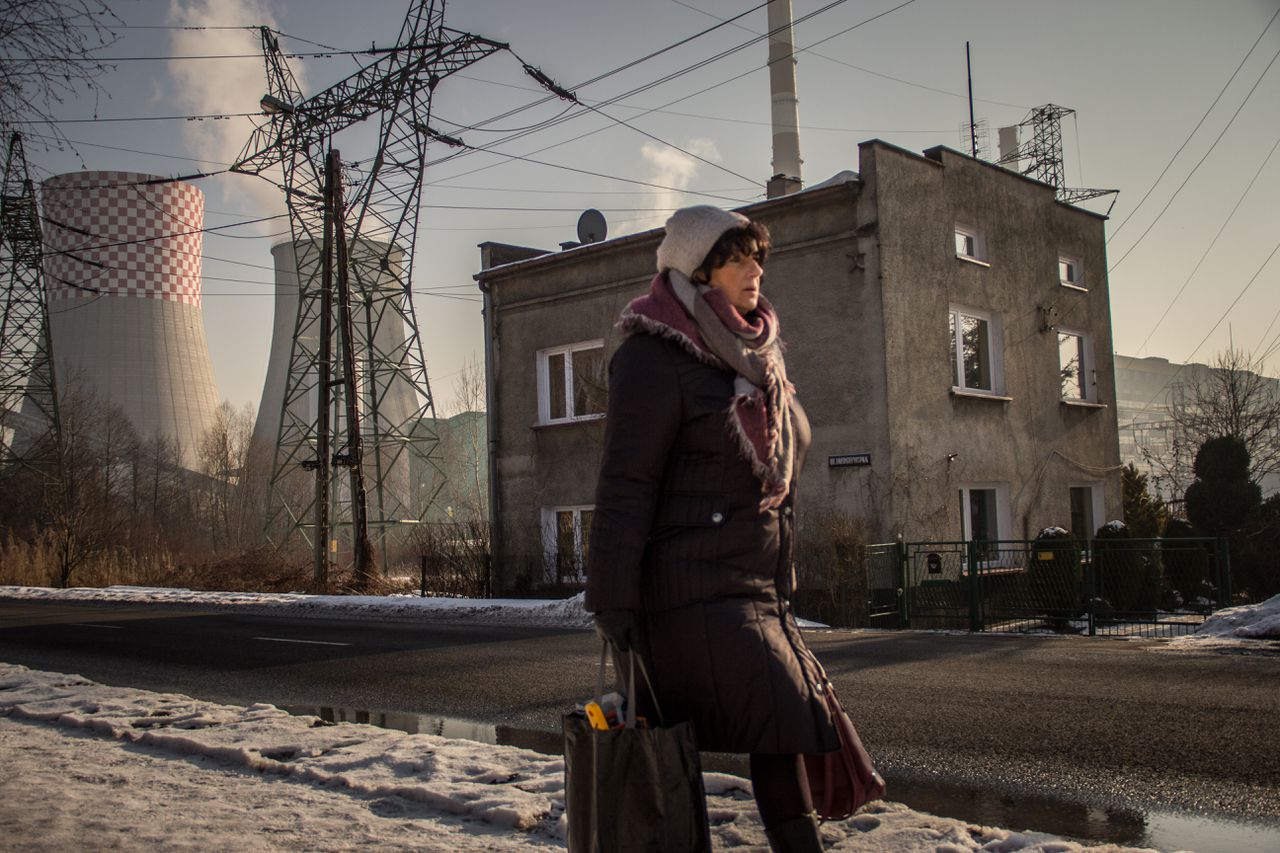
x=122 y=273
x=785 y=107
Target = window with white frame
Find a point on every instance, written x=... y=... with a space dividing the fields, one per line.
x=1070 y=272
x=1086 y=509
x=975 y=351
x=970 y=244
x=984 y=517
x=1075 y=367
x=566 y=539
x=572 y=385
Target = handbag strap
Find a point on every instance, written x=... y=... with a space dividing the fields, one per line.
x=629 y=685
x=822 y=672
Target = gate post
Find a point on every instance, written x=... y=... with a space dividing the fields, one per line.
x=900 y=552
x=1090 y=586
x=1224 y=572
x=975 y=594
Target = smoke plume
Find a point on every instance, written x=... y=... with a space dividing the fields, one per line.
x=224 y=86
x=672 y=168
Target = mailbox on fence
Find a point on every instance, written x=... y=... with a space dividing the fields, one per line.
x=934 y=563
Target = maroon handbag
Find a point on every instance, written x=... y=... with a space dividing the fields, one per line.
x=842 y=782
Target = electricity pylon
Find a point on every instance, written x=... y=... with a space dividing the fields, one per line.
x=1043 y=151
x=380 y=365
x=30 y=431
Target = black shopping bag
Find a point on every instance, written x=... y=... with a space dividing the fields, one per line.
x=633 y=788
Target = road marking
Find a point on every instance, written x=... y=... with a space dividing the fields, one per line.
x=307 y=642
x=91 y=625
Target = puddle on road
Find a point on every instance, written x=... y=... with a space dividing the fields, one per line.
x=1164 y=831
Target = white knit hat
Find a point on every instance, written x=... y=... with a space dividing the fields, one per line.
x=691 y=232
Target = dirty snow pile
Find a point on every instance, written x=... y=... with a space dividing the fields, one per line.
x=144 y=770
x=1238 y=628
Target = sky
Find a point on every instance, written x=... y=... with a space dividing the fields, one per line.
x=145 y=770
x=1172 y=108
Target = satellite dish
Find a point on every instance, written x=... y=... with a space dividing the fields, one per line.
x=591 y=226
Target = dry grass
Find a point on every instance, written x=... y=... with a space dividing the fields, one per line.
x=36 y=563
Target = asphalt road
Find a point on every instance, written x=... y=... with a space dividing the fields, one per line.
x=1017 y=731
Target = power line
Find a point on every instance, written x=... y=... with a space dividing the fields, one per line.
x=650 y=85
x=627 y=65
x=1196 y=128
x=98 y=119
x=1212 y=243
x=138 y=240
x=126 y=150
x=865 y=70
x=699 y=116
x=538 y=75
x=108 y=60
x=1198 y=164
x=1214 y=328
x=669 y=77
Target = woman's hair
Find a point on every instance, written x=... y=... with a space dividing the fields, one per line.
x=749 y=239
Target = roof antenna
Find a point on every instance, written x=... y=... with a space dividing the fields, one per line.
x=973 y=128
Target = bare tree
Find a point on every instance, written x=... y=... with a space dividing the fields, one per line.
x=1229 y=398
x=463 y=446
x=88 y=515
x=231 y=505
x=48 y=53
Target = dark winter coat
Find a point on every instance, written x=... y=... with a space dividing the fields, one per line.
x=678 y=536
x=677 y=516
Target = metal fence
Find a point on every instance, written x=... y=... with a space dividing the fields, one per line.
x=1133 y=587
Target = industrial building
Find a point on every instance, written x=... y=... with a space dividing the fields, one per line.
x=122 y=270
x=949 y=333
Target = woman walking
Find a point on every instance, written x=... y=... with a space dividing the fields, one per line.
x=690 y=558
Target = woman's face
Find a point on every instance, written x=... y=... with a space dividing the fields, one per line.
x=739 y=281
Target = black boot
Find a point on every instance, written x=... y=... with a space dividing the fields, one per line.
x=798 y=835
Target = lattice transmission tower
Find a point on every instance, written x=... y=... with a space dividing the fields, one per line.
x=30 y=429
x=345 y=395
x=1043 y=153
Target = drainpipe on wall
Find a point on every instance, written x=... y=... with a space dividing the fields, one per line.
x=491 y=418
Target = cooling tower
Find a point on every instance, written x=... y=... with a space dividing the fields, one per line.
x=122 y=271
x=397 y=405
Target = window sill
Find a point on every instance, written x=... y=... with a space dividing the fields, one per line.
x=567 y=422
x=972 y=260
x=979 y=395
x=1071 y=286
x=1083 y=404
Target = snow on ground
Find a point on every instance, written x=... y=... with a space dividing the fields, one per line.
x=138 y=770
x=130 y=769
x=1250 y=627
x=567 y=613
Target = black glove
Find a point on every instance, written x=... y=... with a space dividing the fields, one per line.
x=620 y=628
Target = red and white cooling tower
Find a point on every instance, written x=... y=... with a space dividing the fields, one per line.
x=122 y=270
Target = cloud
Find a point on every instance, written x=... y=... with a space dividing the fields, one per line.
x=202 y=87
x=671 y=168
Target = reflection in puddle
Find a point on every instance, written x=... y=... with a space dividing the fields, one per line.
x=548 y=743
x=1130 y=827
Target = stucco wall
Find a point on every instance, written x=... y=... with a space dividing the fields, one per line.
x=562 y=299
x=1032 y=443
